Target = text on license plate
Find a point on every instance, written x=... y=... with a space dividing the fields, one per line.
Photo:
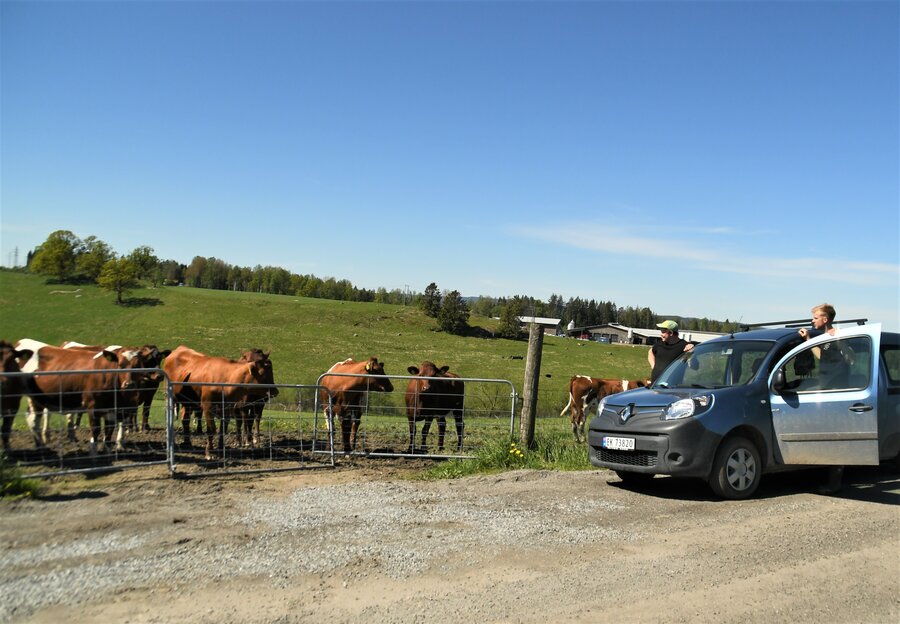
x=617 y=444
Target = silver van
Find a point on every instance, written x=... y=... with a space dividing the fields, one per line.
x=755 y=402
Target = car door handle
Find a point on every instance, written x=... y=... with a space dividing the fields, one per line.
x=859 y=408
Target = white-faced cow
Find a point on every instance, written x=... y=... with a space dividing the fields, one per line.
x=434 y=394
x=584 y=390
x=219 y=388
x=106 y=383
x=12 y=386
x=151 y=357
x=349 y=383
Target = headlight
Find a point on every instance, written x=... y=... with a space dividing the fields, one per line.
x=601 y=405
x=685 y=408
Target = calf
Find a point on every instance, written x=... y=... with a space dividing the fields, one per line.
x=230 y=388
x=434 y=393
x=585 y=390
x=349 y=394
x=12 y=386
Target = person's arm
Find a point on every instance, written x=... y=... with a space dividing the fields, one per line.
x=651 y=357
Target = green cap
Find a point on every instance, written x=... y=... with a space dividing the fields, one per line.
x=670 y=325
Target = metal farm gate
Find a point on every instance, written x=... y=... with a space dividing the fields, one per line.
x=288 y=431
x=57 y=440
x=275 y=432
x=385 y=430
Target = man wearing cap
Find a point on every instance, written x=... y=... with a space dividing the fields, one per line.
x=666 y=350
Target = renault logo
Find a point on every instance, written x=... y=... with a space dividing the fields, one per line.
x=626 y=413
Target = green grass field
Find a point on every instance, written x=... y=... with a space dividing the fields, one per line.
x=305 y=336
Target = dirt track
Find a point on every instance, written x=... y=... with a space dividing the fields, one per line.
x=362 y=544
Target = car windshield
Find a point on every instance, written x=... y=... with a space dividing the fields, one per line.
x=718 y=364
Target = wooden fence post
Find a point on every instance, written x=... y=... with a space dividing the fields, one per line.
x=530 y=387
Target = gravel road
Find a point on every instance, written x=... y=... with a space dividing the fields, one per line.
x=364 y=544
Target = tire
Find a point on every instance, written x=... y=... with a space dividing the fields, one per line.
x=634 y=478
x=737 y=469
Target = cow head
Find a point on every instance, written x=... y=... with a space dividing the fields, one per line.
x=126 y=360
x=428 y=369
x=152 y=357
x=261 y=368
x=381 y=384
x=12 y=361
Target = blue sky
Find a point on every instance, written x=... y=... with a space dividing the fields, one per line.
x=735 y=160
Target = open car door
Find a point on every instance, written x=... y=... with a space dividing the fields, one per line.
x=824 y=399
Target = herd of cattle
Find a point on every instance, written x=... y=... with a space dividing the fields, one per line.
x=116 y=384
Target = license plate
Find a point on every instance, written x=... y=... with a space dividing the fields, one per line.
x=617 y=444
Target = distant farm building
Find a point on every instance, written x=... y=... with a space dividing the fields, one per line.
x=614 y=333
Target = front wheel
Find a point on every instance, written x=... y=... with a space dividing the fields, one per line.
x=737 y=469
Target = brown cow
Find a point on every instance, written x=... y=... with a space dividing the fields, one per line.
x=109 y=385
x=151 y=357
x=12 y=386
x=349 y=394
x=434 y=394
x=230 y=388
x=584 y=390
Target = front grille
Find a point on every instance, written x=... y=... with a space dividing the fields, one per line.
x=646 y=459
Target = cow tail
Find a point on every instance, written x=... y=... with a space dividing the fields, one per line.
x=568 y=405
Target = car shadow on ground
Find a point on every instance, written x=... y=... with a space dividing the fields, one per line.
x=875 y=484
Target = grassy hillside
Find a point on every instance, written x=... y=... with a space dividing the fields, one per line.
x=305 y=336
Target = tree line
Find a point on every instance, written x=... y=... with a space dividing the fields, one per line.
x=67 y=258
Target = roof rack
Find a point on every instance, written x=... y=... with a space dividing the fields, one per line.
x=797 y=323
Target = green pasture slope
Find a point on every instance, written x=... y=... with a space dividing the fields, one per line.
x=305 y=336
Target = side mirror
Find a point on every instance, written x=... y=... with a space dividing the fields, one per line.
x=778 y=381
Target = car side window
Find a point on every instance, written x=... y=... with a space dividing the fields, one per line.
x=836 y=365
x=890 y=355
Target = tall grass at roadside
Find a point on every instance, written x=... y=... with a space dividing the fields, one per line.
x=549 y=452
x=13 y=483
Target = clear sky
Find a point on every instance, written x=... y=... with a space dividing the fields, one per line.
x=733 y=160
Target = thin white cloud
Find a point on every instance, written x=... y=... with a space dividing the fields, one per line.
x=620 y=241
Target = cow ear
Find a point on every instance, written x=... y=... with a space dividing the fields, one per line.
x=413 y=370
x=444 y=369
x=109 y=355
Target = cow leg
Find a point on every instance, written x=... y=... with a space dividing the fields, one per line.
x=185 y=426
x=347 y=439
x=34 y=423
x=199 y=428
x=73 y=421
x=254 y=429
x=145 y=416
x=5 y=429
x=355 y=419
x=209 y=418
x=412 y=435
x=96 y=440
x=460 y=430
x=442 y=431
x=426 y=427
x=577 y=421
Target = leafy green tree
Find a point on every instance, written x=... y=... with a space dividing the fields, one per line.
x=431 y=301
x=510 y=327
x=56 y=255
x=453 y=317
x=145 y=261
x=118 y=275
x=93 y=255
